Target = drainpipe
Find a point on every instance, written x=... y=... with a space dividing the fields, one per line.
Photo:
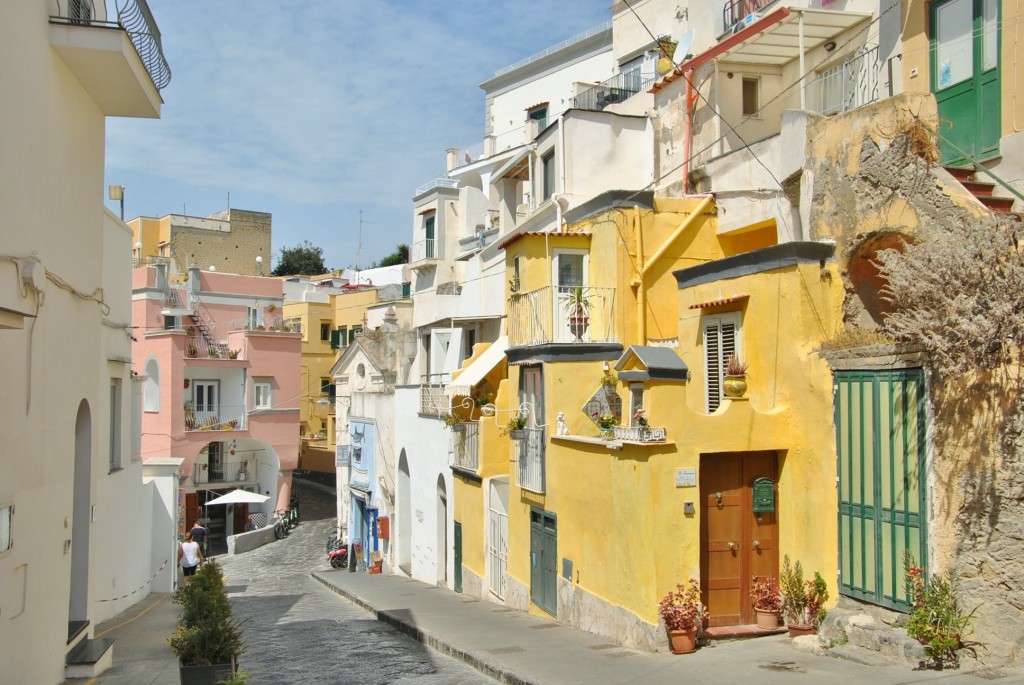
x=638 y=280
x=561 y=163
x=690 y=99
x=687 y=222
x=803 y=72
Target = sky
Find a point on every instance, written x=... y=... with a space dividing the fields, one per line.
x=314 y=111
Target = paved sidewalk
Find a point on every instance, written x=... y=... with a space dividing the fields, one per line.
x=516 y=648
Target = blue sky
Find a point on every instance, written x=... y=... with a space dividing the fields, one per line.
x=313 y=111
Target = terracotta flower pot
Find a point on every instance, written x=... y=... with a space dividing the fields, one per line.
x=682 y=641
x=767 y=619
x=797 y=629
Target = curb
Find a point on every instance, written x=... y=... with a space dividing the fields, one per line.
x=431 y=640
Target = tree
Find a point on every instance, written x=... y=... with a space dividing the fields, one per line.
x=399 y=256
x=304 y=259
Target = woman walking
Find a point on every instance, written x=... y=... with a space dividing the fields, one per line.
x=189 y=556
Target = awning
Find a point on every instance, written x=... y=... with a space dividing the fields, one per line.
x=719 y=302
x=480 y=367
x=515 y=167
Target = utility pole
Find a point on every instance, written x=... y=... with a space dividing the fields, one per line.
x=359 y=247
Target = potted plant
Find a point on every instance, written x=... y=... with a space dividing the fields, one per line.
x=683 y=613
x=207 y=641
x=191 y=351
x=517 y=427
x=609 y=381
x=606 y=422
x=233 y=354
x=577 y=306
x=803 y=600
x=735 y=384
x=767 y=601
x=454 y=423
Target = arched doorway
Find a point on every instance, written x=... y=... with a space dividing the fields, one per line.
x=403 y=536
x=442 y=532
x=78 y=607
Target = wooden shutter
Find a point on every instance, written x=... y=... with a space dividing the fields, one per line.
x=335 y=339
x=720 y=341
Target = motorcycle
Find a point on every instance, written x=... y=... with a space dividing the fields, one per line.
x=339 y=555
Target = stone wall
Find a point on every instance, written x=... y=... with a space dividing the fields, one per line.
x=581 y=609
x=233 y=251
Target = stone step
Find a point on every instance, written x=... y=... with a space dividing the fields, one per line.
x=859 y=655
x=998 y=204
x=89 y=658
x=979 y=189
x=960 y=173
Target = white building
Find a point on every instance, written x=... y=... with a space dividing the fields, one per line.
x=81 y=536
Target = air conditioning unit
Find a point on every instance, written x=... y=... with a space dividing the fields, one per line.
x=751 y=18
x=737 y=27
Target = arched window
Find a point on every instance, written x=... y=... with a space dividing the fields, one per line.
x=151 y=392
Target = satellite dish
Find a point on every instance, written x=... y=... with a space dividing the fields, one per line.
x=684 y=46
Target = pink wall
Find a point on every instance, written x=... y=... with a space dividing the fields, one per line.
x=235 y=284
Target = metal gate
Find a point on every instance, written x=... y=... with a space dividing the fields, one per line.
x=880 y=440
x=497 y=552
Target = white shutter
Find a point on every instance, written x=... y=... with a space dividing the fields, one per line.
x=721 y=339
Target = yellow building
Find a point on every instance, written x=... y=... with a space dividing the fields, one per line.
x=632 y=312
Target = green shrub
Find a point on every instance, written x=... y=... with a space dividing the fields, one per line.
x=206 y=632
x=936 y=618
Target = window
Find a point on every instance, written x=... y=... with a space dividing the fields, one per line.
x=531 y=393
x=516 y=283
x=428 y=231
x=253 y=318
x=6 y=522
x=636 y=400
x=540 y=115
x=327 y=387
x=215 y=461
x=325 y=331
x=343 y=336
x=470 y=337
x=151 y=390
x=751 y=96
x=170 y=323
x=115 y=424
x=548 y=174
x=262 y=395
x=721 y=339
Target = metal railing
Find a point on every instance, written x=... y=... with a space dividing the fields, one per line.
x=546 y=315
x=148 y=261
x=616 y=89
x=267 y=323
x=424 y=249
x=846 y=86
x=735 y=10
x=234 y=471
x=600 y=28
x=222 y=417
x=199 y=347
x=465 y=445
x=531 y=460
x=639 y=433
x=433 y=399
x=436 y=183
x=137 y=21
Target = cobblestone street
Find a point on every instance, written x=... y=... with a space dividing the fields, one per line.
x=297 y=631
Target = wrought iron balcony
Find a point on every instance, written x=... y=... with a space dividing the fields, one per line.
x=616 y=89
x=134 y=17
x=424 y=250
x=846 y=86
x=433 y=399
x=735 y=10
x=466 y=446
x=545 y=315
x=224 y=417
x=234 y=471
x=530 y=460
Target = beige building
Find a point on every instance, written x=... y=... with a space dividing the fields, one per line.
x=234 y=241
x=70 y=472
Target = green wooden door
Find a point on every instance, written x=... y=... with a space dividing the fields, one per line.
x=880 y=438
x=543 y=560
x=965 y=77
x=458 y=557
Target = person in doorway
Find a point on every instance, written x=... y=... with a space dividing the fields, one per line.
x=199 y=537
x=189 y=556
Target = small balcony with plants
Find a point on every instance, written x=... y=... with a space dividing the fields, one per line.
x=560 y=314
x=200 y=416
x=530 y=459
x=465 y=445
x=206 y=471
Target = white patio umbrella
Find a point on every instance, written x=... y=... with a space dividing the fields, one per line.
x=239 y=497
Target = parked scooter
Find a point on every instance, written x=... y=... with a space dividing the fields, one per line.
x=339 y=555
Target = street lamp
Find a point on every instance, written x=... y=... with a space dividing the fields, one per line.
x=259 y=265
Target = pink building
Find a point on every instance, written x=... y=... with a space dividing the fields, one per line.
x=221 y=389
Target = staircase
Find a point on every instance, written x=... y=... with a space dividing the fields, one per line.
x=982 y=190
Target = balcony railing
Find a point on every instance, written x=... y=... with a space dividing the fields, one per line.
x=465 y=445
x=267 y=323
x=735 y=10
x=433 y=399
x=440 y=182
x=531 y=460
x=424 y=249
x=234 y=471
x=221 y=417
x=135 y=18
x=148 y=261
x=639 y=433
x=546 y=315
x=616 y=89
x=846 y=86
x=198 y=347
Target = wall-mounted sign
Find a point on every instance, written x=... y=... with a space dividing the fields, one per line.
x=686 y=478
x=764 y=495
x=341 y=456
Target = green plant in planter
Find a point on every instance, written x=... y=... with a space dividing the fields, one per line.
x=791 y=584
x=233 y=354
x=609 y=380
x=241 y=677
x=191 y=351
x=450 y=420
x=936 y=618
x=517 y=422
x=765 y=594
x=206 y=633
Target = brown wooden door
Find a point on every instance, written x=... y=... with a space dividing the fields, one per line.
x=736 y=544
x=241 y=515
x=191 y=509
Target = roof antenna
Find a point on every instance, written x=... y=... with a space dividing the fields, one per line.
x=359 y=248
